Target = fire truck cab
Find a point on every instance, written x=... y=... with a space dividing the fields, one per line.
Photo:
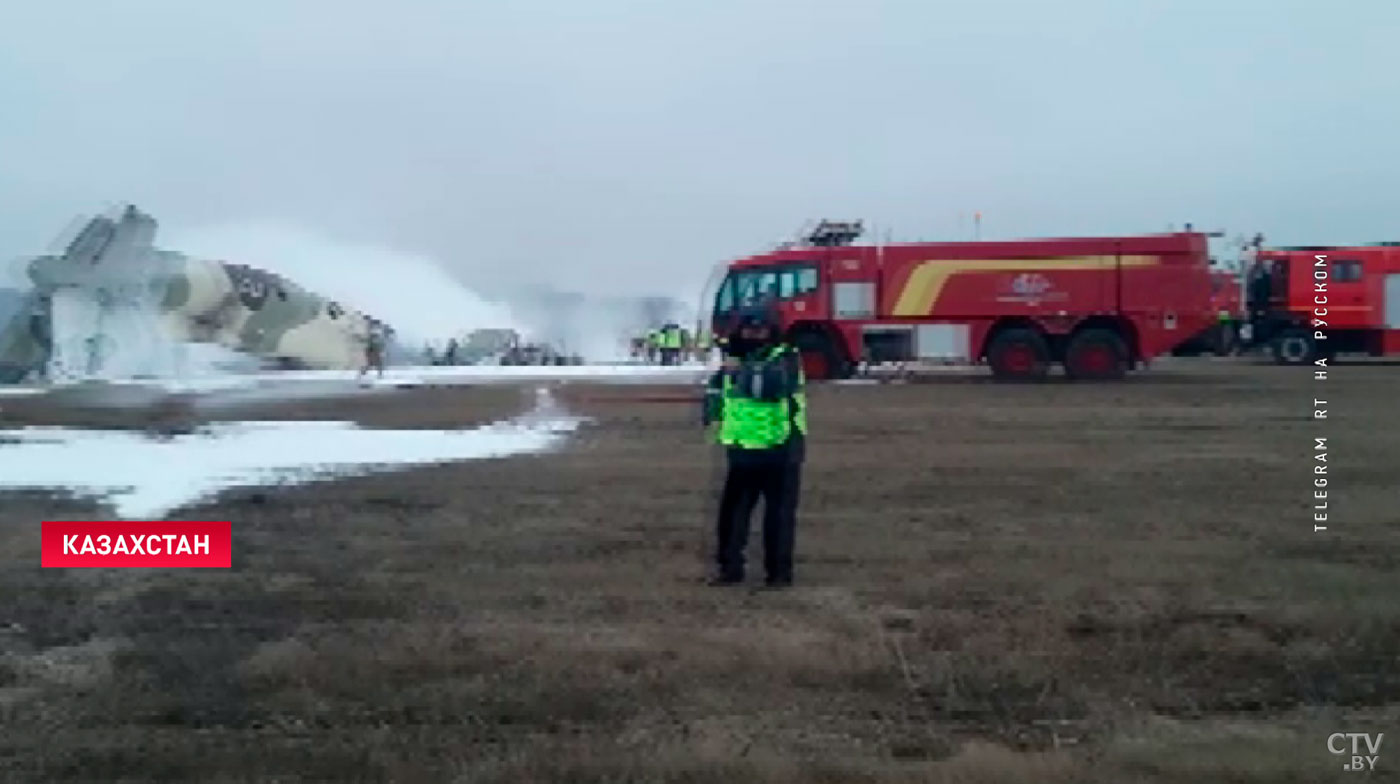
x=1099 y=306
x=1312 y=302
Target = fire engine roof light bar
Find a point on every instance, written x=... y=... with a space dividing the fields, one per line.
x=830 y=234
x=1189 y=228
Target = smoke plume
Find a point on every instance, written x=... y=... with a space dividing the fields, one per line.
x=410 y=292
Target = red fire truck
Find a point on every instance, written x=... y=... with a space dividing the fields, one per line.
x=1099 y=306
x=1348 y=294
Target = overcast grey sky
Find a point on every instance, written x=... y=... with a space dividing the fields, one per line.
x=608 y=145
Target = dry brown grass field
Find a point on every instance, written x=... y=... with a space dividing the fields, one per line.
x=1053 y=583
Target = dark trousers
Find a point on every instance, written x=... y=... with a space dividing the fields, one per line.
x=777 y=480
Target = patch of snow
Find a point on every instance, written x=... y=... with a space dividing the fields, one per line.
x=235 y=388
x=423 y=375
x=146 y=477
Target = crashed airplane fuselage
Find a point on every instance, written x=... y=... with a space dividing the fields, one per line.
x=112 y=304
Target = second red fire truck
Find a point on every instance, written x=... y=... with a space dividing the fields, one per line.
x=1311 y=302
x=1099 y=306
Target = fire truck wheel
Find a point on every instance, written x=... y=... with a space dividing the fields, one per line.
x=1227 y=341
x=1097 y=354
x=1293 y=347
x=1019 y=355
x=819 y=359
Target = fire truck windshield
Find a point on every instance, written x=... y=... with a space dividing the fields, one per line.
x=745 y=288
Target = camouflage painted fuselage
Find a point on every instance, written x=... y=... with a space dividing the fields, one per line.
x=255 y=312
x=112 y=294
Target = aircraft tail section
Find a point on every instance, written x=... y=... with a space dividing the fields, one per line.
x=102 y=253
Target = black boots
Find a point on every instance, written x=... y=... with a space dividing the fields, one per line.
x=772 y=583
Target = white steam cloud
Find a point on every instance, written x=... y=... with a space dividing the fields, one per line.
x=411 y=293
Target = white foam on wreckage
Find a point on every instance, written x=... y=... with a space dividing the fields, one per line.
x=116 y=335
x=147 y=477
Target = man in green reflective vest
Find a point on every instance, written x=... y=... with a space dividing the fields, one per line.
x=670 y=344
x=759 y=402
x=653 y=345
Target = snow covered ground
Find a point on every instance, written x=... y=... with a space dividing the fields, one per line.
x=475 y=374
x=347 y=381
x=147 y=477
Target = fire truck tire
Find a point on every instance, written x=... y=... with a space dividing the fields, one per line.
x=1227 y=341
x=1293 y=347
x=1096 y=354
x=820 y=360
x=1018 y=355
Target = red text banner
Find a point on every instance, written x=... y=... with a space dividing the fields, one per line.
x=127 y=543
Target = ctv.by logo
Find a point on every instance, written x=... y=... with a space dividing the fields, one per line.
x=1337 y=744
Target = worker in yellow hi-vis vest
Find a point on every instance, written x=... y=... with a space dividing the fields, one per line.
x=760 y=403
x=670 y=344
x=653 y=345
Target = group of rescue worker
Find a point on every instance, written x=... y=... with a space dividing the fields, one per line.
x=670 y=344
x=756 y=405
